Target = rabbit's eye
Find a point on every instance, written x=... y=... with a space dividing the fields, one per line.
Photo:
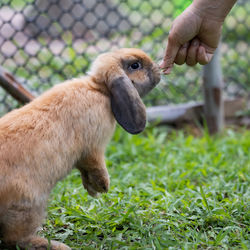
x=135 y=65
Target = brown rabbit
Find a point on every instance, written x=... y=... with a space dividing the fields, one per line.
x=68 y=126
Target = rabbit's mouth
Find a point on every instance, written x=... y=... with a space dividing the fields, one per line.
x=144 y=88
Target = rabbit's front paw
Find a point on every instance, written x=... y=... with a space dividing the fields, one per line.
x=95 y=181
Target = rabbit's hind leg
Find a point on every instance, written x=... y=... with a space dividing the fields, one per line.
x=20 y=221
x=39 y=243
x=19 y=226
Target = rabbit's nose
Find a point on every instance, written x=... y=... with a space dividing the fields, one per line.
x=157 y=73
x=156 y=68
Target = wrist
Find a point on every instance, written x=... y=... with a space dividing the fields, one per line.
x=213 y=9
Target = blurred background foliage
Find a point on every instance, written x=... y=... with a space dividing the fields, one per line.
x=45 y=42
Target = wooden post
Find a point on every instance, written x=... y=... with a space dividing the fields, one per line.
x=14 y=87
x=213 y=91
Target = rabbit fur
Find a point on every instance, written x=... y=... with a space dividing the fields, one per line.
x=68 y=126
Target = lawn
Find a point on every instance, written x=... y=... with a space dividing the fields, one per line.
x=169 y=190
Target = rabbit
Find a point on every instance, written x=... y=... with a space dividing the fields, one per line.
x=68 y=127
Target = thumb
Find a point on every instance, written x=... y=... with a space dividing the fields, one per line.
x=171 y=51
x=204 y=56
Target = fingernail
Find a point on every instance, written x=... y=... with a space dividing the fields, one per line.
x=209 y=57
x=167 y=71
x=185 y=45
x=195 y=43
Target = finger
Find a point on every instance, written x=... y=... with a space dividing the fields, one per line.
x=191 y=59
x=182 y=54
x=170 y=54
x=167 y=70
x=203 y=57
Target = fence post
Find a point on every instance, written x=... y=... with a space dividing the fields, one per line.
x=213 y=94
x=14 y=87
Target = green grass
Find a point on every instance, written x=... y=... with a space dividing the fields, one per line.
x=168 y=191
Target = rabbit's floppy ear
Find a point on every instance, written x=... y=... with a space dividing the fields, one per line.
x=127 y=106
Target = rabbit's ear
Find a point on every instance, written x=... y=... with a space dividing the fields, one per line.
x=127 y=106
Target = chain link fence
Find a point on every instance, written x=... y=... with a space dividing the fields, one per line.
x=44 y=42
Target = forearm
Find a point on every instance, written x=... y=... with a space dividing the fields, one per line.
x=215 y=9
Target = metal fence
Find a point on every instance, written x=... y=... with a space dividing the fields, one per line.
x=44 y=42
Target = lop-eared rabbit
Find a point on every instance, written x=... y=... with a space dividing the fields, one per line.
x=68 y=126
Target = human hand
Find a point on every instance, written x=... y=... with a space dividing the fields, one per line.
x=195 y=34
